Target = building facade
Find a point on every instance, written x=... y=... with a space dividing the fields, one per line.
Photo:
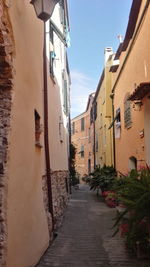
x=82 y=138
x=102 y=107
x=26 y=223
x=131 y=91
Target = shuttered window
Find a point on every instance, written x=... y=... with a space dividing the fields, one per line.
x=127 y=114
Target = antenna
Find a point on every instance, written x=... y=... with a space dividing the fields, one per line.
x=120 y=37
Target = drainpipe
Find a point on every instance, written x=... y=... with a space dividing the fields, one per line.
x=46 y=134
x=69 y=153
x=94 y=142
x=114 y=149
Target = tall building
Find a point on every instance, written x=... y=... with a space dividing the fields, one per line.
x=102 y=109
x=131 y=90
x=30 y=207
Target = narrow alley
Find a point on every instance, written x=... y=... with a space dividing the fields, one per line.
x=85 y=240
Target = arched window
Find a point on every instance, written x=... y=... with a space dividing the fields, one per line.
x=127 y=113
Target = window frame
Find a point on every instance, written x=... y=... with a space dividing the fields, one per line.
x=82 y=151
x=82 y=124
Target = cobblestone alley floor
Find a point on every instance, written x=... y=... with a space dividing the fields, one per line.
x=84 y=239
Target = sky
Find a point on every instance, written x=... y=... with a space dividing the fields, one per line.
x=94 y=25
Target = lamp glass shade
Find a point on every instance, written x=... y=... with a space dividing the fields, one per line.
x=44 y=8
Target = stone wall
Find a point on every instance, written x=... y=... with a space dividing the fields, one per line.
x=45 y=199
x=6 y=74
x=60 y=194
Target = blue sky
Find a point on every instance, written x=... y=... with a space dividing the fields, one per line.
x=94 y=26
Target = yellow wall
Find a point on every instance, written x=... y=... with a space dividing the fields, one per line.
x=104 y=155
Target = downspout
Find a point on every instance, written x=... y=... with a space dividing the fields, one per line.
x=46 y=132
x=94 y=141
x=69 y=153
x=114 y=148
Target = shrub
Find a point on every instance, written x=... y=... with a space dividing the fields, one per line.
x=134 y=193
x=102 y=178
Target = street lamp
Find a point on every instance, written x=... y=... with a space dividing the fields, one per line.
x=44 y=10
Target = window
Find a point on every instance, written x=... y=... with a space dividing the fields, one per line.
x=89 y=166
x=95 y=110
x=132 y=163
x=96 y=143
x=82 y=151
x=104 y=135
x=52 y=53
x=82 y=124
x=118 y=124
x=51 y=34
x=38 y=129
x=61 y=130
x=65 y=92
x=118 y=118
x=91 y=116
x=62 y=15
x=52 y=57
x=127 y=113
x=89 y=130
x=73 y=128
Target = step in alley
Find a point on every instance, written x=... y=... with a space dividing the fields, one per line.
x=85 y=237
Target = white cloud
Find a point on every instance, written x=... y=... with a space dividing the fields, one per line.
x=81 y=87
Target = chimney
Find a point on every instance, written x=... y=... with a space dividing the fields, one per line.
x=107 y=52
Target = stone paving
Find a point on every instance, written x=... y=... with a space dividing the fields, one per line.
x=84 y=239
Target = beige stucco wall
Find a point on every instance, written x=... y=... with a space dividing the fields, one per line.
x=136 y=70
x=28 y=235
x=58 y=148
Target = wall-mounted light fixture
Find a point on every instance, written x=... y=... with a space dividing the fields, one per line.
x=44 y=8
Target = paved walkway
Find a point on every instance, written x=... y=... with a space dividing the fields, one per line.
x=84 y=240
